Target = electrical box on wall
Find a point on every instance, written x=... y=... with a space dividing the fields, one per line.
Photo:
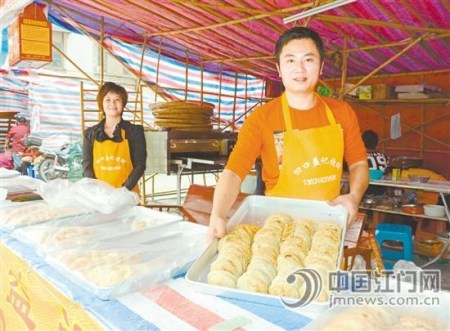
x=30 y=39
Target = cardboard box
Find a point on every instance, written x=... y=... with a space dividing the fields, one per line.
x=382 y=91
x=353 y=93
x=365 y=92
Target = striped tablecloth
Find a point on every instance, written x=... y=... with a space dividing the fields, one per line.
x=173 y=305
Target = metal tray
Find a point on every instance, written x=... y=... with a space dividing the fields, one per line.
x=254 y=210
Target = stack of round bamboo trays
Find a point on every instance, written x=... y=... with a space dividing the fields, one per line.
x=183 y=115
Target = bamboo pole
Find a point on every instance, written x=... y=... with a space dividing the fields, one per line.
x=361 y=21
x=218 y=6
x=102 y=58
x=344 y=68
x=220 y=91
x=395 y=44
x=157 y=69
x=190 y=41
x=383 y=65
x=233 y=22
x=141 y=65
x=75 y=65
x=82 y=107
x=242 y=115
x=201 y=80
x=257 y=40
x=82 y=29
x=187 y=75
x=263 y=92
x=234 y=100
x=246 y=94
x=393 y=18
x=421 y=129
x=357 y=49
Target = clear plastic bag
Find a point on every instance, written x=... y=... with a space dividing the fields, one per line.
x=87 y=230
x=110 y=269
x=57 y=193
x=16 y=215
x=102 y=197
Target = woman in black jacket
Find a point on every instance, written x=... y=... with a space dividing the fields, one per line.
x=114 y=150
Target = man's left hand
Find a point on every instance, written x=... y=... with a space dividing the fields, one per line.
x=349 y=202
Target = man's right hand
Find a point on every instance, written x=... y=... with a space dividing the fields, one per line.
x=217 y=228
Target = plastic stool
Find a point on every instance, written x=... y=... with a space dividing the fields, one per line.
x=395 y=232
x=31 y=170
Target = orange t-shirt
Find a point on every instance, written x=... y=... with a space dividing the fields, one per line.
x=256 y=137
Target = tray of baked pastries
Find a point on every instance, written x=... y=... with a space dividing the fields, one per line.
x=268 y=241
x=110 y=269
x=83 y=230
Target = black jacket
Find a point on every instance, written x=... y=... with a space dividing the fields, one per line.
x=136 y=142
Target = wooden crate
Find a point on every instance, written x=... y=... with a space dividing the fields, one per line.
x=382 y=91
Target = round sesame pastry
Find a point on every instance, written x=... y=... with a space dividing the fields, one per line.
x=263 y=265
x=316 y=257
x=281 y=217
x=246 y=231
x=281 y=287
x=233 y=266
x=268 y=234
x=310 y=225
x=254 y=281
x=221 y=278
x=264 y=258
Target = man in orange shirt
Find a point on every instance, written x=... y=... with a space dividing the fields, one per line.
x=301 y=137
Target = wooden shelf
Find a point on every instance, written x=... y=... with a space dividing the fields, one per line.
x=398 y=211
x=418 y=101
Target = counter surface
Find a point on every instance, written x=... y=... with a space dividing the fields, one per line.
x=170 y=305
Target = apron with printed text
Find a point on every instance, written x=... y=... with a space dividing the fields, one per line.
x=112 y=162
x=311 y=165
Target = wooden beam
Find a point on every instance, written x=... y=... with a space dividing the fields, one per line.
x=361 y=21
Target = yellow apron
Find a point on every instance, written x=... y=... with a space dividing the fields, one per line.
x=311 y=165
x=112 y=162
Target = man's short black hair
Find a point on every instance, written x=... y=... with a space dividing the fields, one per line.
x=299 y=32
x=370 y=139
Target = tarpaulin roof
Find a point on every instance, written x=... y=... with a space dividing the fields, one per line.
x=240 y=35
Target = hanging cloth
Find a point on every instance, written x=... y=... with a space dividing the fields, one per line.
x=311 y=166
x=112 y=162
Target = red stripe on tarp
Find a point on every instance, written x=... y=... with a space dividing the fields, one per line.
x=183 y=308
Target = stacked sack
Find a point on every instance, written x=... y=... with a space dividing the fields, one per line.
x=265 y=250
x=183 y=115
x=234 y=256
